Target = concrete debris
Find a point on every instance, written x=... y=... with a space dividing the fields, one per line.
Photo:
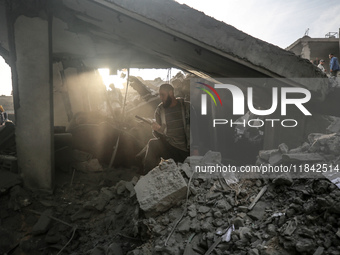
x=166 y=187
x=81 y=156
x=296 y=157
x=8 y=180
x=281 y=215
x=43 y=224
x=19 y=198
x=283 y=179
x=258 y=212
x=91 y=165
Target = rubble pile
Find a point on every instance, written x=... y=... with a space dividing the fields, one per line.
x=253 y=216
x=174 y=210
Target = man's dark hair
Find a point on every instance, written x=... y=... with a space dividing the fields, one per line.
x=331 y=54
x=166 y=87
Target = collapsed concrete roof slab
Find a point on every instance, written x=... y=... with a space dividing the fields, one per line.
x=163 y=34
x=145 y=33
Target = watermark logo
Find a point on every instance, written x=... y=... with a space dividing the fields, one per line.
x=239 y=99
x=280 y=98
x=204 y=97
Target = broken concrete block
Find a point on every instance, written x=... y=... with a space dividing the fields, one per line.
x=319 y=251
x=160 y=189
x=338 y=233
x=283 y=148
x=238 y=222
x=203 y=209
x=121 y=187
x=43 y=223
x=265 y=154
x=212 y=157
x=303 y=157
x=223 y=204
x=19 y=198
x=258 y=211
x=91 y=165
x=184 y=225
x=334 y=145
x=82 y=213
x=305 y=245
x=275 y=158
x=283 y=179
x=8 y=180
x=80 y=156
x=186 y=169
x=114 y=249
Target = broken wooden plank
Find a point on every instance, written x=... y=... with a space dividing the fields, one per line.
x=257 y=198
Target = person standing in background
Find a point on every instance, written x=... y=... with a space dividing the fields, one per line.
x=333 y=65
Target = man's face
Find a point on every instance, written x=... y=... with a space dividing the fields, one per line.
x=165 y=97
x=330 y=56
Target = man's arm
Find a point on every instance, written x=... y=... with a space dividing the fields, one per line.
x=331 y=64
x=157 y=129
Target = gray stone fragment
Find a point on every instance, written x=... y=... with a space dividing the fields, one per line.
x=319 y=251
x=91 y=165
x=218 y=222
x=238 y=222
x=305 y=245
x=8 y=180
x=43 y=223
x=245 y=233
x=283 y=179
x=338 y=233
x=184 y=225
x=223 y=204
x=258 y=211
x=121 y=187
x=18 y=198
x=275 y=158
x=81 y=214
x=53 y=236
x=205 y=226
x=253 y=252
x=303 y=157
x=283 y=148
x=217 y=214
x=114 y=249
x=161 y=189
x=258 y=183
x=212 y=157
x=271 y=229
x=265 y=154
x=203 y=209
x=242 y=208
x=192 y=214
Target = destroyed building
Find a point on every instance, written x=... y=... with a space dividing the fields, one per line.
x=69 y=183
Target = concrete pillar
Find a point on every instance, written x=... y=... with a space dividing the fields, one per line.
x=33 y=95
x=305 y=52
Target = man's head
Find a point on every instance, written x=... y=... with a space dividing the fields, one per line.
x=331 y=55
x=322 y=61
x=1 y=109
x=166 y=94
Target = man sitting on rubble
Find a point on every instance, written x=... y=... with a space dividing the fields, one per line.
x=171 y=129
